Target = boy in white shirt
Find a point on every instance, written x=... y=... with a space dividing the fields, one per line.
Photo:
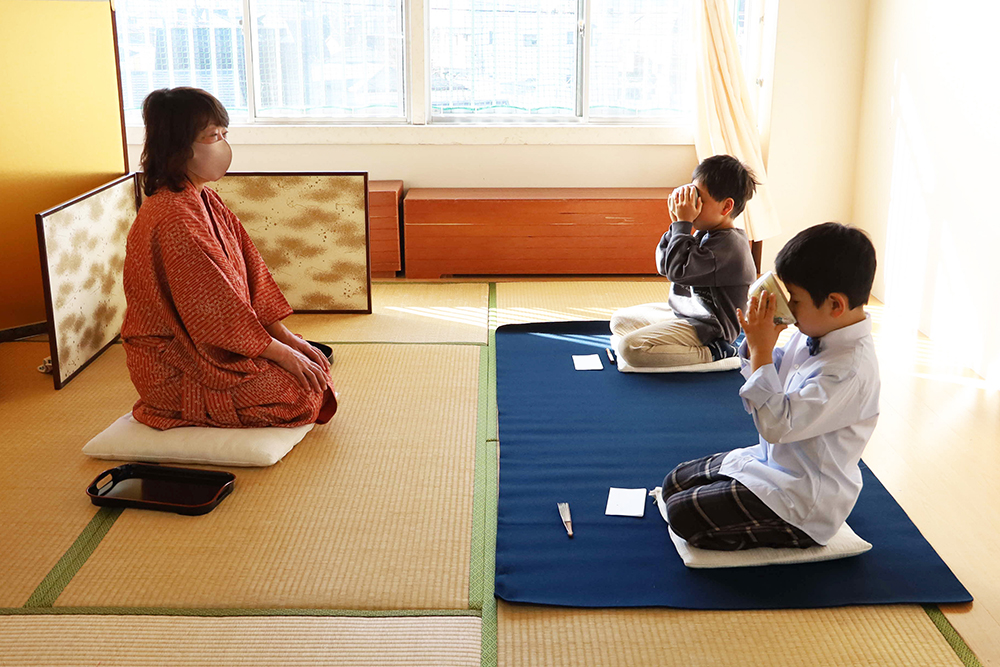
x=814 y=402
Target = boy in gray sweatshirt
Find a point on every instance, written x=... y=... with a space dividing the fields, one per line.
x=708 y=260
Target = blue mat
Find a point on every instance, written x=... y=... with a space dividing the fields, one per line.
x=567 y=436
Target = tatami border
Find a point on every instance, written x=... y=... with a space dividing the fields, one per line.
x=222 y=612
x=489 y=655
x=477 y=574
x=951 y=635
x=59 y=576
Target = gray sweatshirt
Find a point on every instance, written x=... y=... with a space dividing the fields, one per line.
x=711 y=273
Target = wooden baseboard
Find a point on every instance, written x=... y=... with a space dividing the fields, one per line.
x=14 y=333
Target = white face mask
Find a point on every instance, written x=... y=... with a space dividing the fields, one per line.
x=211 y=161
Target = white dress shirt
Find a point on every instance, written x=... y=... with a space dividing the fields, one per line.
x=815 y=414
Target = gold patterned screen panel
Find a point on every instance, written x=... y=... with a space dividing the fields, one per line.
x=82 y=247
x=312 y=231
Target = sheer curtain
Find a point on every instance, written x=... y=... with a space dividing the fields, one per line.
x=726 y=122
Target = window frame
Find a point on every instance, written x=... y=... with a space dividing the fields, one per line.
x=417 y=127
x=582 y=101
x=253 y=84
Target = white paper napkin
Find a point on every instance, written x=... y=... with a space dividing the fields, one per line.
x=626 y=502
x=588 y=362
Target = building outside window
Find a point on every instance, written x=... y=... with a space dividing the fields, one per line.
x=274 y=61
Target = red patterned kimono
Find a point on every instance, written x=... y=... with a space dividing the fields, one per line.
x=199 y=298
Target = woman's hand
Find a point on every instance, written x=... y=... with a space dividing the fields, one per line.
x=314 y=354
x=761 y=331
x=281 y=333
x=310 y=375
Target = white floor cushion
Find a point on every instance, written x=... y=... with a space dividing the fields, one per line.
x=727 y=364
x=844 y=544
x=129 y=440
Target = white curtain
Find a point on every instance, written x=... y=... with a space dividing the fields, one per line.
x=726 y=122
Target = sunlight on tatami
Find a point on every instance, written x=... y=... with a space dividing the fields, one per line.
x=470 y=316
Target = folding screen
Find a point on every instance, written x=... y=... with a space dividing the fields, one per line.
x=82 y=249
x=312 y=231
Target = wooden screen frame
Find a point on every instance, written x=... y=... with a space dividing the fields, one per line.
x=121 y=96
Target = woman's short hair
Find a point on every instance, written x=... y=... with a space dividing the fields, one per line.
x=174 y=117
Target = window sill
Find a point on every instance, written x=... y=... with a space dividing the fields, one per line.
x=446 y=135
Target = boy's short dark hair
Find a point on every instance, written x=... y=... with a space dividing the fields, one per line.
x=829 y=258
x=725 y=177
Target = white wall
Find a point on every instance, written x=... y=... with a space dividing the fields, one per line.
x=466 y=156
x=479 y=165
x=927 y=172
x=818 y=72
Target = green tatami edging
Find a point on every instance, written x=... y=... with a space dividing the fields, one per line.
x=951 y=635
x=223 y=612
x=59 y=576
x=490 y=482
x=477 y=571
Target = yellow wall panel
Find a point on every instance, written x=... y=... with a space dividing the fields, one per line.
x=60 y=129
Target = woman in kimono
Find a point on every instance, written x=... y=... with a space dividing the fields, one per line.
x=202 y=334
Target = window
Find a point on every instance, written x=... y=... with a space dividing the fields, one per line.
x=748 y=20
x=529 y=68
x=343 y=61
x=568 y=60
x=310 y=59
x=642 y=60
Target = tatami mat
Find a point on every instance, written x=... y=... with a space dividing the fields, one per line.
x=138 y=641
x=407 y=313
x=520 y=302
x=885 y=636
x=44 y=477
x=371 y=511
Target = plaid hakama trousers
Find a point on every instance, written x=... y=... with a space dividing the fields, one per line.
x=713 y=511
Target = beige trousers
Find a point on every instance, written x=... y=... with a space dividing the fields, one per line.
x=652 y=336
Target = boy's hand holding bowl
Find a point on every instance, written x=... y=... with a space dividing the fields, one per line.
x=760 y=328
